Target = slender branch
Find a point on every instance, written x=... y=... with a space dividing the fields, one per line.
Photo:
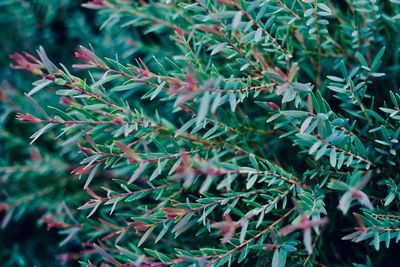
x=241 y=246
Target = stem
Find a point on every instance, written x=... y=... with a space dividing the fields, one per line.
x=241 y=246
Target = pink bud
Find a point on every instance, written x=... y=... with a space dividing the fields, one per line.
x=22 y=62
x=51 y=223
x=86 y=150
x=49 y=77
x=32 y=58
x=191 y=83
x=27 y=118
x=82 y=56
x=95 y=4
x=3 y=207
x=66 y=100
x=117 y=121
x=35 y=155
x=81 y=170
x=109 y=236
x=178 y=31
x=270 y=247
x=140 y=226
x=282 y=74
x=65 y=257
x=272 y=105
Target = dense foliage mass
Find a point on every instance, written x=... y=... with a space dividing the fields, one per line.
x=227 y=133
x=35 y=179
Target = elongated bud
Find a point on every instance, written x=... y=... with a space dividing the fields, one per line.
x=272 y=105
x=86 y=150
x=21 y=62
x=27 y=118
x=178 y=31
x=66 y=100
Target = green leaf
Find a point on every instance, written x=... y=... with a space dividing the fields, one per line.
x=258 y=35
x=376 y=241
x=157 y=90
x=314 y=147
x=124 y=87
x=324 y=7
x=389 y=199
x=158 y=255
x=236 y=20
x=251 y=181
x=50 y=67
x=338 y=185
x=332 y=158
x=361 y=59
x=136 y=196
x=145 y=236
x=377 y=59
x=185 y=127
x=36 y=135
x=216 y=103
x=218 y=48
x=232 y=101
x=91 y=175
x=273 y=117
x=282 y=257
x=335 y=79
x=305 y=124
x=244 y=253
x=36 y=106
x=340 y=160
x=243 y=231
x=39 y=85
x=337 y=89
x=204 y=108
x=275 y=259
x=344 y=202
x=105 y=79
x=139 y=170
x=163 y=231
x=289 y=95
x=321 y=152
x=244 y=67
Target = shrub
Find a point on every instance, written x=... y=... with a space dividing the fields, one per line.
x=242 y=133
x=35 y=179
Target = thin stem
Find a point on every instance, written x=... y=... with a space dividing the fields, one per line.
x=241 y=246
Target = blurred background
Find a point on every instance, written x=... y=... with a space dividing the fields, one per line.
x=35 y=180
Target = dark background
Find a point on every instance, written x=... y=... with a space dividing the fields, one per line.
x=59 y=26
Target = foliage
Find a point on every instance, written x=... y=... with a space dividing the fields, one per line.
x=234 y=133
x=35 y=179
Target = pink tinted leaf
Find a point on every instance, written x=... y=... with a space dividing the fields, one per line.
x=106 y=256
x=344 y=203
